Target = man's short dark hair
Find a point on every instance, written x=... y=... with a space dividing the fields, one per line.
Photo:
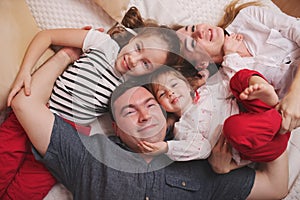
x=141 y=81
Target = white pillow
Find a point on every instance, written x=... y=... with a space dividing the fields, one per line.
x=115 y=8
x=69 y=14
x=186 y=12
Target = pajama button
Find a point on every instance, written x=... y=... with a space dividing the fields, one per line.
x=183 y=183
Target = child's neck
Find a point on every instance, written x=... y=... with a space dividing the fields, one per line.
x=184 y=108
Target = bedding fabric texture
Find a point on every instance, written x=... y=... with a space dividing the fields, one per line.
x=102 y=13
x=114 y=8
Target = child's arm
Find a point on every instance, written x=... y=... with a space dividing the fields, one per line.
x=70 y=55
x=179 y=150
x=156 y=148
x=37 y=47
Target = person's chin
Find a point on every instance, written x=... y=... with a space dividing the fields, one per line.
x=155 y=138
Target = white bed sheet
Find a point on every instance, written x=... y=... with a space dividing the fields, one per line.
x=79 y=13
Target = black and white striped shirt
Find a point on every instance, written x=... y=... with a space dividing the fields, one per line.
x=82 y=92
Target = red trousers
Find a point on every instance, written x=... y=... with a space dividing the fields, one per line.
x=254 y=133
x=21 y=176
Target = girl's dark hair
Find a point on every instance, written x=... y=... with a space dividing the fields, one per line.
x=134 y=21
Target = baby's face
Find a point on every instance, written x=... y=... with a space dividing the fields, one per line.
x=173 y=94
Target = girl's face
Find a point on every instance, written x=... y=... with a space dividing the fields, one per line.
x=202 y=43
x=142 y=55
x=173 y=94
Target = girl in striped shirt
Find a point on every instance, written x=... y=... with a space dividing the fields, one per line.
x=81 y=92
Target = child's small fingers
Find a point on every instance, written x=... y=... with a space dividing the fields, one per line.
x=147 y=146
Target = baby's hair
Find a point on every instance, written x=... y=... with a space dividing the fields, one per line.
x=189 y=71
x=165 y=71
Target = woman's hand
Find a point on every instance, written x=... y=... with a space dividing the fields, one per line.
x=289 y=107
x=232 y=43
x=221 y=158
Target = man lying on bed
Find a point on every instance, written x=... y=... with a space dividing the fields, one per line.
x=110 y=171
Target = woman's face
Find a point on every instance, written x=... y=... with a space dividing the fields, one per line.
x=172 y=93
x=142 y=55
x=201 y=43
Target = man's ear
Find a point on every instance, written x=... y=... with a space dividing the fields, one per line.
x=115 y=128
x=163 y=111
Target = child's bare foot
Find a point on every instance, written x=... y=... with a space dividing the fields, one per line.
x=264 y=92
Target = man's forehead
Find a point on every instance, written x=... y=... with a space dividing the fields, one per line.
x=133 y=95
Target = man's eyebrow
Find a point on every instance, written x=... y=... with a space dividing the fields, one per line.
x=186 y=28
x=125 y=107
x=133 y=106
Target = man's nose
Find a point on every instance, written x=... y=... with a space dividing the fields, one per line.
x=144 y=115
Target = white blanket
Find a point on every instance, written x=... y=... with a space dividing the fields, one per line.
x=79 y=13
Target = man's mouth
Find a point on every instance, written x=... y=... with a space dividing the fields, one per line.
x=146 y=127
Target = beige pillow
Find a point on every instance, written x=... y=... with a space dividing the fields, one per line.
x=115 y=8
x=17 y=28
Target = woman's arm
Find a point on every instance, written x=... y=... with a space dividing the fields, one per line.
x=289 y=106
x=271 y=180
x=31 y=111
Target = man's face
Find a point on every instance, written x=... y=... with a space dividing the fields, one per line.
x=138 y=117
